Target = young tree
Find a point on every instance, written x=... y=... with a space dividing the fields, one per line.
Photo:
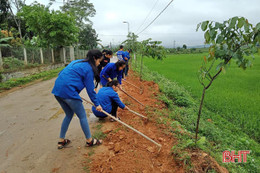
x=234 y=39
x=184 y=46
x=131 y=42
x=152 y=49
x=18 y=4
x=53 y=28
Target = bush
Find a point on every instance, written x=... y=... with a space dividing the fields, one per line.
x=1 y=77
x=45 y=75
x=12 y=63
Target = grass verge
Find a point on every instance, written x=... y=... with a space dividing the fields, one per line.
x=14 y=82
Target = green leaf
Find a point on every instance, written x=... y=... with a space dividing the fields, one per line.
x=246 y=27
x=5 y=39
x=241 y=22
x=233 y=22
x=217 y=25
x=212 y=34
x=219 y=39
x=257 y=26
x=198 y=26
x=219 y=66
x=204 y=25
x=5 y=45
x=207 y=36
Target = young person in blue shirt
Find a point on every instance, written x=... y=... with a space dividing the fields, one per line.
x=111 y=71
x=127 y=54
x=79 y=74
x=109 y=100
x=121 y=53
x=107 y=55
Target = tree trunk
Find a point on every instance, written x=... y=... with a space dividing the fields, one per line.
x=64 y=55
x=72 y=57
x=201 y=102
x=24 y=49
x=18 y=23
x=41 y=54
x=52 y=56
x=198 y=119
x=1 y=60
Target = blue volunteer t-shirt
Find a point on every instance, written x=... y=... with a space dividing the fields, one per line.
x=105 y=97
x=110 y=71
x=121 y=55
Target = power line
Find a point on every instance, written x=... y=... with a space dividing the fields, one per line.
x=156 y=17
x=147 y=16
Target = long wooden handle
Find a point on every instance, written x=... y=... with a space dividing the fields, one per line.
x=133 y=85
x=116 y=119
x=131 y=97
x=137 y=113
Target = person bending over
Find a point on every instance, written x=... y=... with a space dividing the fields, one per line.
x=107 y=55
x=111 y=71
x=79 y=74
x=109 y=100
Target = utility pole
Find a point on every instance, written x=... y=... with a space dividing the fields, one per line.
x=174 y=44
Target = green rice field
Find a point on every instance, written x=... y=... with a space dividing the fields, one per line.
x=235 y=95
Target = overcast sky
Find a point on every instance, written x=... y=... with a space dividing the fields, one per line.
x=178 y=22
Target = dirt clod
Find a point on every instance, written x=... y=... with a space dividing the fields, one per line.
x=121 y=137
x=117 y=147
x=151 y=149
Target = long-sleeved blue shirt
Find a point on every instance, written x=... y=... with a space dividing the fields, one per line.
x=73 y=79
x=105 y=97
x=110 y=71
x=127 y=55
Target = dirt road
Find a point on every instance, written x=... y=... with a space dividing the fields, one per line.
x=29 y=131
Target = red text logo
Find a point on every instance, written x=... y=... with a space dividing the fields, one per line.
x=231 y=156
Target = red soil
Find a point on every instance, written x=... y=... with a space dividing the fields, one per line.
x=126 y=151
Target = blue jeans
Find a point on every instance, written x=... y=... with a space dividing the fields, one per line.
x=71 y=106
